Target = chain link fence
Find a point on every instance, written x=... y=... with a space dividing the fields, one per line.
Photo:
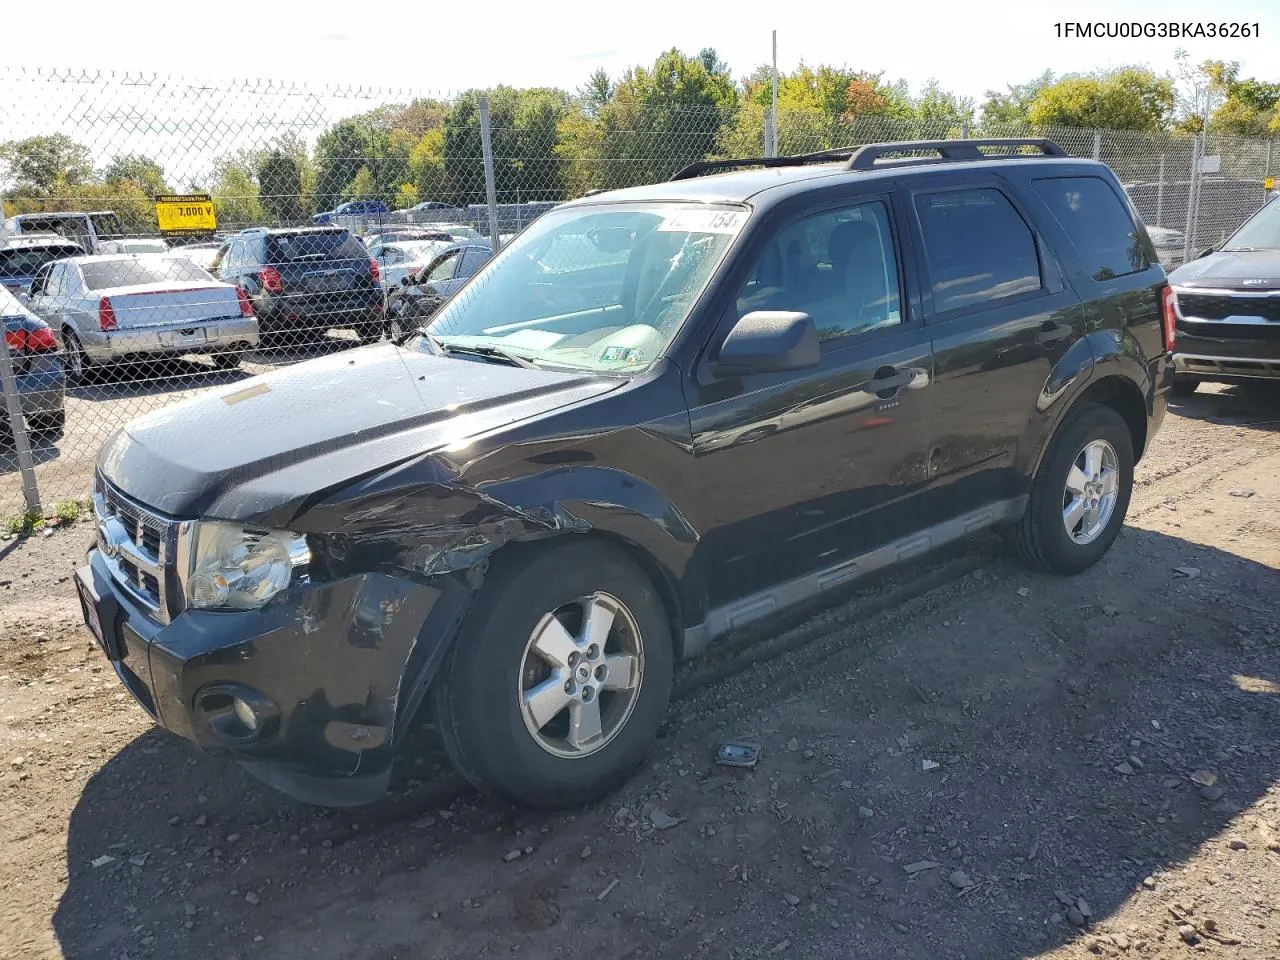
x=327 y=200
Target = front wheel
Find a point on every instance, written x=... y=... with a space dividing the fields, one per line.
x=75 y=361
x=1080 y=494
x=559 y=678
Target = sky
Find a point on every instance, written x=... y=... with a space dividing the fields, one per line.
x=969 y=47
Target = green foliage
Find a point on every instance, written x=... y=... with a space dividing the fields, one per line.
x=280 y=187
x=1130 y=98
x=361 y=187
x=23 y=524
x=69 y=511
x=523 y=126
x=45 y=166
x=135 y=170
x=658 y=120
x=1013 y=106
x=235 y=194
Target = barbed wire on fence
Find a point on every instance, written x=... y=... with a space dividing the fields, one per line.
x=278 y=154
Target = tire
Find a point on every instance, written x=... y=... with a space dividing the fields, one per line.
x=75 y=362
x=49 y=425
x=492 y=739
x=1184 y=386
x=227 y=359
x=1041 y=535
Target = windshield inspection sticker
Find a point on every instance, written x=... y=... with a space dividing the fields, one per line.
x=615 y=354
x=703 y=221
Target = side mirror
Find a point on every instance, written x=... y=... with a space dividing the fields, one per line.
x=769 y=341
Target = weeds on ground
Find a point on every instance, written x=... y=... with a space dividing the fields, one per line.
x=23 y=524
x=65 y=512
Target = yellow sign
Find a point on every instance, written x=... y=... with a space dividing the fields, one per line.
x=1268 y=183
x=187 y=213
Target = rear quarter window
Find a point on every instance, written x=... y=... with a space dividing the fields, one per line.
x=1097 y=223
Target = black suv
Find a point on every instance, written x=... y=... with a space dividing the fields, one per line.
x=660 y=414
x=304 y=282
x=1227 y=308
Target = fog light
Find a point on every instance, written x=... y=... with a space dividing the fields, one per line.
x=244 y=713
x=237 y=714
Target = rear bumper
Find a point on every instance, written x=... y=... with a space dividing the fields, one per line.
x=201 y=336
x=304 y=312
x=41 y=389
x=336 y=667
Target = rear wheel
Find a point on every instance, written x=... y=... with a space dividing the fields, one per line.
x=559 y=678
x=227 y=359
x=49 y=425
x=1080 y=494
x=75 y=362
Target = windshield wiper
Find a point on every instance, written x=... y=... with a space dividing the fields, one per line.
x=488 y=353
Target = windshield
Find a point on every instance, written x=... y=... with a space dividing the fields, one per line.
x=21 y=262
x=1260 y=232
x=132 y=271
x=594 y=288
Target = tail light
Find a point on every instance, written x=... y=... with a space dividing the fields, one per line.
x=16 y=339
x=106 y=315
x=375 y=271
x=41 y=340
x=246 y=305
x=1169 y=317
x=271 y=281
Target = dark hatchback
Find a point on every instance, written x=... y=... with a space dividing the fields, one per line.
x=304 y=282
x=1227 y=304
x=756 y=387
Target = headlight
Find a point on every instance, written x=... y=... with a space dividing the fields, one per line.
x=241 y=569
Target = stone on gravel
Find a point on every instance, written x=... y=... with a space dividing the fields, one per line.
x=1204 y=778
x=1243 y=492
x=1120 y=940
x=510 y=855
x=1188 y=933
x=1189 y=572
x=1024 y=591
x=1124 y=768
x=927 y=765
x=1212 y=794
x=866 y=813
x=1149 y=883
x=792 y=899
x=252 y=899
x=920 y=866
x=1236 y=843
x=663 y=820
x=1075 y=917
x=1083 y=906
x=586 y=852
x=201 y=820
x=1109 y=611
x=960 y=880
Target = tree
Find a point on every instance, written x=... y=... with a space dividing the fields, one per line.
x=941 y=111
x=426 y=168
x=280 y=187
x=235 y=193
x=595 y=93
x=361 y=187
x=1013 y=106
x=522 y=126
x=43 y=166
x=657 y=120
x=1130 y=98
x=135 y=169
x=340 y=153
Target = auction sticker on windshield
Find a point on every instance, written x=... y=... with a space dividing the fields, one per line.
x=703 y=221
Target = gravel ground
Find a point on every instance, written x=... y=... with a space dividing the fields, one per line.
x=961 y=760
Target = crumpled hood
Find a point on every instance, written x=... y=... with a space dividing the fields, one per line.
x=242 y=451
x=1229 y=271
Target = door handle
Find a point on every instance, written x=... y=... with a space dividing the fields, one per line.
x=1051 y=333
x=887 y=382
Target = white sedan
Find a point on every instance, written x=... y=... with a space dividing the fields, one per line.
x=112 y=308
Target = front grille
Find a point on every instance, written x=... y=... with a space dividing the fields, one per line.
x=1219 y=306
x=136 y=543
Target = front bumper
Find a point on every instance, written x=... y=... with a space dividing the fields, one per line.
x=342 y=664
x=201 y=336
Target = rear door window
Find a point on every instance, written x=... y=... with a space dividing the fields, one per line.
x=328 y=245
x=1097 y=223
x=977 y=247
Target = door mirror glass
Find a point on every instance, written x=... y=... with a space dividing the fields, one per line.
x=769 y=341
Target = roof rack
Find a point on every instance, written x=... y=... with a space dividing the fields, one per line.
x=700 y=167
x=865 y=157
